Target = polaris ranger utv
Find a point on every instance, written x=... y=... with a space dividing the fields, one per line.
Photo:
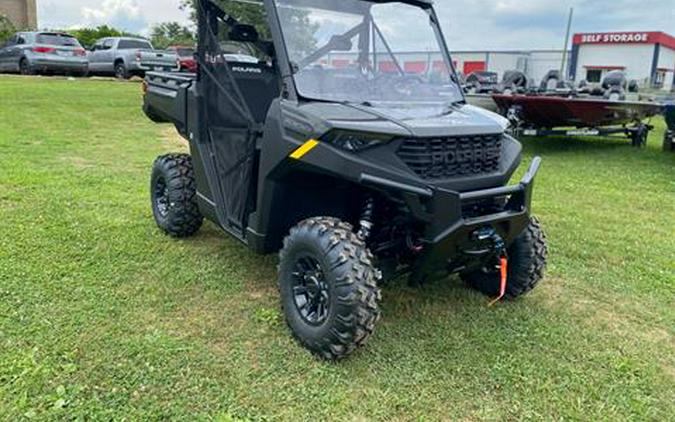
x=356 y=165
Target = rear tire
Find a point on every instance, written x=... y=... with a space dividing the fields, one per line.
x=527 y=262
x=328 y=287
x=174 y=195
x=121 y=71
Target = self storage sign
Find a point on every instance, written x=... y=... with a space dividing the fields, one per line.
x=614 y=38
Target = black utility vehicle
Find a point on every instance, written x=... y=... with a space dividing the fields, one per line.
x=327 y=150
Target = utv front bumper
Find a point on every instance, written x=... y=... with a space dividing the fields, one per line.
x=452 y=221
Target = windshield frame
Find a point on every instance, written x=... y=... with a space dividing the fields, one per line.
x=291 y=90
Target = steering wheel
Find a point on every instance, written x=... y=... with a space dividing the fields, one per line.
x=401 y=84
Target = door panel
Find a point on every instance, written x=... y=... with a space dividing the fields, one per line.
x=100 y=60
x=107 y=64
x=15 y=58
x=17 y=53
x=5 y=53
x=228 y=129
x=95 y=58
x=234 y=150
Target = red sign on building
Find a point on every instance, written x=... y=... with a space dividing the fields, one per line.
x=626 y=38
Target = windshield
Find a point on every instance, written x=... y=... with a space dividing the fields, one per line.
x=360 y=51
x=134 y=45
x=60 y=40
x=185 y=52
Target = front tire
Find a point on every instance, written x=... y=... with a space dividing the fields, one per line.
x=328 y=287
x=527 y=262
x=174 y=195
x=25 y=68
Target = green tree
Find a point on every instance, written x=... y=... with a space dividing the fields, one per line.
x=303 y=34
x=89 y=36
x=171 y=33
x=245 y=12
x=6 y=28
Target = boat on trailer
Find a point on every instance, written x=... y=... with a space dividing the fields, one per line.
x=543 y=115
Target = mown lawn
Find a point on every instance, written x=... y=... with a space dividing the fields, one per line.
x=102 y=317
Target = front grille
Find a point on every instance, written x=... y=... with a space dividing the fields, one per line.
x=444 y=158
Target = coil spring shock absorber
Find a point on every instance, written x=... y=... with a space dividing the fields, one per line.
x=366 y=222
x=366 y=227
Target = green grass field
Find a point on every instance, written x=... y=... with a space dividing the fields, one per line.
x=102 y=317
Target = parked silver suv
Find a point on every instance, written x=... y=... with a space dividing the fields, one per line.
x=30 y=53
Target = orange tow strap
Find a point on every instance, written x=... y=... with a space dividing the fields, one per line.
x=503 y=272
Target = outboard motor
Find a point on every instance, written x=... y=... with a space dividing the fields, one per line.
x=633 y=86
x=565 y=85
x=583 y=87
x=615 y=84
x=514 y=81
x=615 y=78
x=551 y=81
x=597 y=91
x=482 y=82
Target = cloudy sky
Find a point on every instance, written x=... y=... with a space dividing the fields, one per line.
x=469 y=24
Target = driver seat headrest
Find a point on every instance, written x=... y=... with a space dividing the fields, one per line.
x=242 y=32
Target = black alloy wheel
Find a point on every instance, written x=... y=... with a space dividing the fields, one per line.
x=173 y=194
x=311 y=292
x=161 y=197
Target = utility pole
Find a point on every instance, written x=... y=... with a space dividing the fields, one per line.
x=563 y=66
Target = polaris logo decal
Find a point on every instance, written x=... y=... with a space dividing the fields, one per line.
x=242 y=69
x=449 y=158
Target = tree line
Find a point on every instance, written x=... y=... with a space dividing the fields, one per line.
x=161 y=35
x=165 y=34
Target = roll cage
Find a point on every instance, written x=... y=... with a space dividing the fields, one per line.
x=276 y=47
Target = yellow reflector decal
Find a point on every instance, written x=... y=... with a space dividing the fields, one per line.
x=304 y=149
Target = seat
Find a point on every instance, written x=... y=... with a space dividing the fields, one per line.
x=259 y=84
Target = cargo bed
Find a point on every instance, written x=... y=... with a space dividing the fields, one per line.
x=165 y=99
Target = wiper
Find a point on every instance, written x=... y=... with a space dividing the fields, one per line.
x=451 y=107
x=358 y=103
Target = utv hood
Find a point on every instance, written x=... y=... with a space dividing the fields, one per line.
x=414 y=121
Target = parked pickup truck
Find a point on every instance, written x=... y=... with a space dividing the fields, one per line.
x=126 y=57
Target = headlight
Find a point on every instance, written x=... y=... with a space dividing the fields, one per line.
x=354 y=141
